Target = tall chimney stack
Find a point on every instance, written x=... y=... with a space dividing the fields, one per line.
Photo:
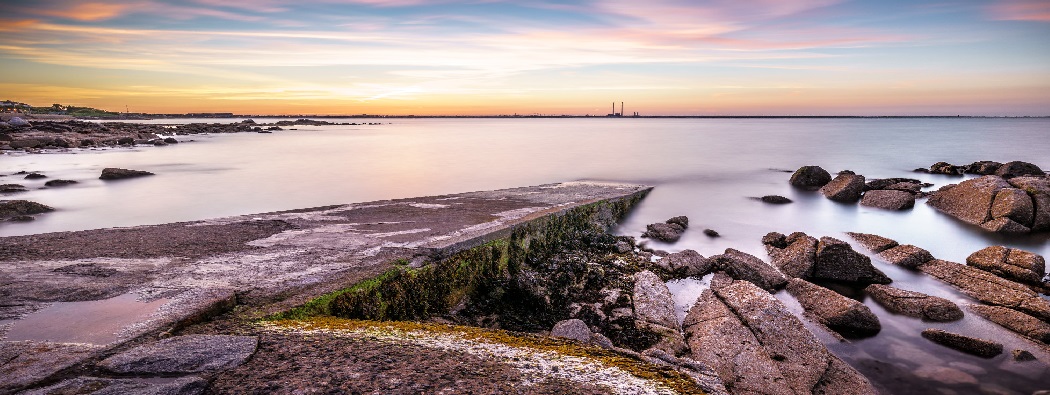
x=621 y=110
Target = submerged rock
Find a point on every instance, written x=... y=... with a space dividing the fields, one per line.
x=839 y=313
x=59 y=183
x=874 y=243
x=970 y=345
x=12 y=188
x=34 y=176
x=113 y=173
x=810 y=177
x=914 y=304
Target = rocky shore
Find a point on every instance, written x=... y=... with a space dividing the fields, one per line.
x=22 y=135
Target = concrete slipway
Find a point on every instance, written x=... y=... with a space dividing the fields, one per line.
x=70 y=298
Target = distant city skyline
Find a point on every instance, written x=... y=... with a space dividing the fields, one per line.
x=449 y=57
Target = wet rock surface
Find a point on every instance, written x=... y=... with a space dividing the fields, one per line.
x=914 y=304
x=685 y=263
x=971 y=345
x=907 y=255
x=874 y=243
x=183 y=354
x=839 y=313
x=989 y=288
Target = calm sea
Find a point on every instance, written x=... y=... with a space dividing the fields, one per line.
x=707 y=169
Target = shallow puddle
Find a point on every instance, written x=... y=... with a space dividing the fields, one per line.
x=94 y=322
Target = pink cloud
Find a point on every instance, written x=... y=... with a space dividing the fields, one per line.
x=1021 y=10
x=88 y=12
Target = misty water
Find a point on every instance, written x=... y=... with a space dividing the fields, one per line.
x=706 y=169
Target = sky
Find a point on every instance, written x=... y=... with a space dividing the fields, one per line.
x=492 y=57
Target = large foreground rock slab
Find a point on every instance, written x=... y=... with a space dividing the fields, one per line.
x=757 y=346
x=184 y=354
x=1039 y=189
x=654 y=309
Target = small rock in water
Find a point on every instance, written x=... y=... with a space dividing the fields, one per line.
x=970 y=345
x=1023 y=356
x=669 y=231
x=34 y=176
x=11 y=188
x=113 y=173
x=775 y=199
x=810 y=177
x=15 y=209
x=711 y=233
x=59 y=183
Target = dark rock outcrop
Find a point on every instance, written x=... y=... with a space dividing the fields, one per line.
x=984 y=167
x=34 y=176
x=914 y=304
x=946 y=168
x=685 y=263
x=846 y=188
x=189 y=385
x=810 y=177
x=888 y=199
x=669 y=231
x=113 y=173
x=184 y=354
x=836 y=260
x=12 y=188
x=1010 y=263
x=970 y=345
x=755 y=345
x=711 y=233
x=775 y=199
x=1015 y=321
x=17 y=208
x=743 y=266
x=1018 y=169
x=839 y=313
x=59 y=183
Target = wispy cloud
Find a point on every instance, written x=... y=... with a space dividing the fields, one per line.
x=1021 y=10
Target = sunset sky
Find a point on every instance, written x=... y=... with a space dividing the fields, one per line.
x=485 y=57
